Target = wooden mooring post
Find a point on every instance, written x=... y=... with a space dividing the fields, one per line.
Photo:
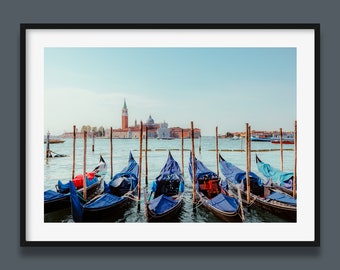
x=281 y=150
x=217 y=168
x=193 y=163
x=93 y=141
x=74 y=151
x=111 y=153
x=182 y=152
x=84 y=164
x=140 y=162
x=146 y=156
x=295 y=159
x=248 y=161
x=47 y=146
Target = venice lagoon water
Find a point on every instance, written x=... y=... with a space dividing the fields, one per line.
x=205 y=150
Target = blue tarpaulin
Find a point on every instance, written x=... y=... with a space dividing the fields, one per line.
x=162 y=204
x=104 y=201
x=224 y=203
x=50 y=195
x=236 y=175
x=277 y=196
x=76 y=206
x=277 y=176
x=169 y=174
x=202 y=172
x=129 y=173
x=63 y=188
x=171 y=171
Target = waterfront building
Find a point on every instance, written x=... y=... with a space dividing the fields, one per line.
x=163 y=132
x=155 y=130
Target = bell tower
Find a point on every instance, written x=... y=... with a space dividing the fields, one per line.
x=125 y=117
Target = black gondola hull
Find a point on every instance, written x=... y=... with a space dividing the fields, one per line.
x=108 y=213
x=172 y=215
x=55 y=205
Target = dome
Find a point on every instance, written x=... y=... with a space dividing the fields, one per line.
x=150 y=121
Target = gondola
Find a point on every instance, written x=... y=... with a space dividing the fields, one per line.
x=280 y=180
x=265 y=197
x=212 y=193
x=60 y=198
x=166 y=193
x=117 y=192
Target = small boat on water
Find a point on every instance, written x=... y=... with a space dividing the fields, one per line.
x=265 y=197
x=54 y=141
x=60 y=198
x=284 y=141
x=52 y=154
x=119 y=191
x=167 y=191
x=280 y=180
x=212 y=193
x=261 y=139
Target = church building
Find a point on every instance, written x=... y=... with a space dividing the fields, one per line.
x=155 y=130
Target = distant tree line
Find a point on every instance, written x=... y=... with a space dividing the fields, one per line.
x=229 y=135
x=98 y=132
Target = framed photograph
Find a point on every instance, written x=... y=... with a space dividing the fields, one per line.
x=170 y=134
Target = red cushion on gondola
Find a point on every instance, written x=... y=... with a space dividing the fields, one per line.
x=78 y=181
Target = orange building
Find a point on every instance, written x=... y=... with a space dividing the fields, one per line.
x=176 y=132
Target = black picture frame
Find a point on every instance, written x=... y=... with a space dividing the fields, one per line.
x=312 y=43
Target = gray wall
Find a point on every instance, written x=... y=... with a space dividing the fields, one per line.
x=14 y=12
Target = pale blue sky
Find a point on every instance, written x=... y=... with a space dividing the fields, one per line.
x=224 y=87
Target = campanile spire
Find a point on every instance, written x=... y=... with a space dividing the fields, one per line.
x=125 y=117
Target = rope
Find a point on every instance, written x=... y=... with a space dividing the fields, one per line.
x=199 y=203
x=129 y=195
x=251 y=202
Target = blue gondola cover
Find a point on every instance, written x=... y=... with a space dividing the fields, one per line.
x=236 y=175
x=171 y=171
x=277 y=176
x=202 y=172
x=104 y=201
x=162 y=204
x=63 y=188
x=224 y=203
x=277 y=196
x=129 y=173
x=50 y=195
